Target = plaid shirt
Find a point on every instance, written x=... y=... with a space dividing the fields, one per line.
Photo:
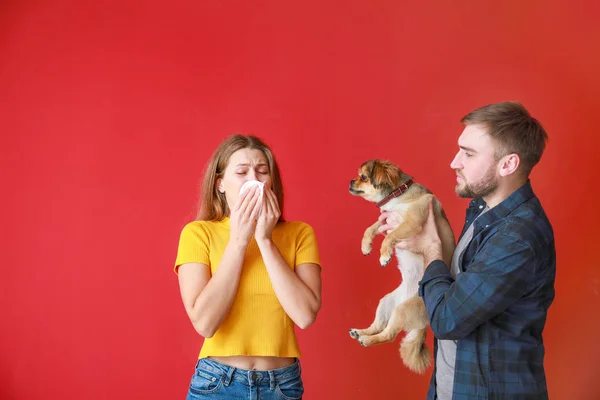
x=496 y=308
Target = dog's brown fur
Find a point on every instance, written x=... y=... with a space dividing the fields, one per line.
x=402 y=309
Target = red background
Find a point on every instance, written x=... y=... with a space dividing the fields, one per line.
x=109 y=111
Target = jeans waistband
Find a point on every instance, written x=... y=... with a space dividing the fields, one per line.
x=251 y=377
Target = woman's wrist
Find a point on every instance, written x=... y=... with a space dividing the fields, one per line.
x=263 y=241
x=237 y=243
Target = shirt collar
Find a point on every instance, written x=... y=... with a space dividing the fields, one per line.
x=508 y=205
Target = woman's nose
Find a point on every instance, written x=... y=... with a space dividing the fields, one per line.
x=252 y=175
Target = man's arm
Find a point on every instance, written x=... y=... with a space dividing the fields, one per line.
x=497 y=277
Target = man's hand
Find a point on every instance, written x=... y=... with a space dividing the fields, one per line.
x=389 y=220
x=427 y=242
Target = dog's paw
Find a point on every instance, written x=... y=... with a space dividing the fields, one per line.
x=385 y=260
x=366 y=248
x=364 y=341
x=353 y=334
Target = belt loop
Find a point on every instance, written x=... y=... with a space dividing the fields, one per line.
x=229 y=376
x=271 y=380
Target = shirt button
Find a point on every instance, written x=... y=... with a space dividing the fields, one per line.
x=486 y=226
x=480 y=207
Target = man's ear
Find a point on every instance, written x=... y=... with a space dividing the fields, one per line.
x=508 y=164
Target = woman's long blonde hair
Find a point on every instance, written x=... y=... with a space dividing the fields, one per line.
x=213 y=204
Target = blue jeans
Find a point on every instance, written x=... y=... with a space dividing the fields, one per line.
x=215 y=381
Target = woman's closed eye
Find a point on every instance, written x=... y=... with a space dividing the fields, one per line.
x=258 y=172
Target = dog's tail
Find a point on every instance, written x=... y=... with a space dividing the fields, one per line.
x=414 y=352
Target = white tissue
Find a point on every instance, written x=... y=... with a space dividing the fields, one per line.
x=261 y=187
x=249 y=184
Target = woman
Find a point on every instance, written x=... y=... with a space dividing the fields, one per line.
x=246 y=278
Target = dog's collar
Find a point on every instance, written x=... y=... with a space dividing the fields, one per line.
x=396 y=193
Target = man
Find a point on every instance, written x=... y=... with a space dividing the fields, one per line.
x=488 y=309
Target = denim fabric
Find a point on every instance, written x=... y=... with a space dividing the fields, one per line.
x=214 y=380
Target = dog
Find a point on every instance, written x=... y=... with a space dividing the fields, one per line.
x=384 y=183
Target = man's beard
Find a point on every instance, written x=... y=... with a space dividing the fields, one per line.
x=485 y=186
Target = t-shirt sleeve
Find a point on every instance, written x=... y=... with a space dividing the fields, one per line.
x=307 y=250
x=193 y=245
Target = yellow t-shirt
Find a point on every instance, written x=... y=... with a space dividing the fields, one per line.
x=256 y=324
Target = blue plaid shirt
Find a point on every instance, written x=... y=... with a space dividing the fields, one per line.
x=496 y=308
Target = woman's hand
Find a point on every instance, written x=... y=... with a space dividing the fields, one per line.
x=243 y=217
x=268 y=217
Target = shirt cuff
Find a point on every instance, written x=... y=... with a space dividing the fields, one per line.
x=435 y=270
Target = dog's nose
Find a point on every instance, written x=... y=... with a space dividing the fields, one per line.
x=351 y=184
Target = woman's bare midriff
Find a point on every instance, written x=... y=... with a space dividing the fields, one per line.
x=255 y=363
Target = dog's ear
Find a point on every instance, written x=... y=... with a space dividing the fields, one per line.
x=385 y=175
